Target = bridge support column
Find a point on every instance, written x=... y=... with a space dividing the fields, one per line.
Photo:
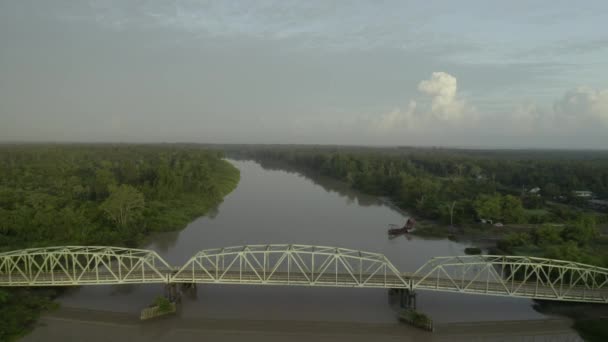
x=407 y=299
x=189 y=289
x=172 y=293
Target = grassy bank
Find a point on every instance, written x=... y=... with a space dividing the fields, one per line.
x=592 y=330
x=590 y=320
x=472 y=231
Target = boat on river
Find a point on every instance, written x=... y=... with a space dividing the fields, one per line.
x=410 y=224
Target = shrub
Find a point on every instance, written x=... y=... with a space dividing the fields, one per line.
x=163 y=304
x=472 y=251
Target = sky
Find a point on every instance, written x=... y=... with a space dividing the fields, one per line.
x=485 y=74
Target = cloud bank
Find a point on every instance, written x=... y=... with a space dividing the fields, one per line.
x=441 y=113
x=441 y=105
x=583 y=104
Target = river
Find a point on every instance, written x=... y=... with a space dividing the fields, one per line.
x=278 y=206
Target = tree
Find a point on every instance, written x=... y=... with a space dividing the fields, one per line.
x=104 y=179
x=488 y=207
x=3 y=296
x=459 y=168
x=581 y=231
x=448 y=209
x=512 y=210
x=123 y=205
x=513 y=240
x=547 y=235
x=475 y=171
x=566 y=251
x=551 y=190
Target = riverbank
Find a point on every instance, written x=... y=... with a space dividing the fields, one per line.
x=70 y=203
x=176 y=213
x=77 y=325
x=482 y=235
x=486 y=235
x=471 y=232
x=590 y=320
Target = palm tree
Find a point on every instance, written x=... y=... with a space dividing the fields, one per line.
x=451 y=209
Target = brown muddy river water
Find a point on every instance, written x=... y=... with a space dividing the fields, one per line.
x=276 y=206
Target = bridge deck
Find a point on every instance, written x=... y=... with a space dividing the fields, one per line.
x=516 y=289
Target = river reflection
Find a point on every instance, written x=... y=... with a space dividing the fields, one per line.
x=328 y=184
x=272 y=205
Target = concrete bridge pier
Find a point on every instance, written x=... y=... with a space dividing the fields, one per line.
x=172 y=293
x=189 y=289
x=407 y=299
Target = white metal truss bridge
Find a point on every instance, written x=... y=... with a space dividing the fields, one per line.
x=305 y=265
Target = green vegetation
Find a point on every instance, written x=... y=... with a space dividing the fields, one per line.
x=98 y=195
x=456 y=186
x=460 y=187
x=20 y=308
x=417 y=319
x=590 y=320
x=161 y=307
x=592 y=330
x=472 y=251
x=163 y=304
x=575 y=241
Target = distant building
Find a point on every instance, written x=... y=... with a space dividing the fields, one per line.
x=599 y=204
x=583 y=193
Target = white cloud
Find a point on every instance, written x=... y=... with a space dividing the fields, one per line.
x=443 y=88
x=583 y=105
x=398 y=118
x=446 y=107
x=579 y=118
x=582 y=110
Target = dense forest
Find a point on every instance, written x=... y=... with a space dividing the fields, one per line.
x=98 y=195
x=430 y=181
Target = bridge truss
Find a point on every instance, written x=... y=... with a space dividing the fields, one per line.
x=306 y=265
x=514 y=276
x=284 y=264
x=81 y=265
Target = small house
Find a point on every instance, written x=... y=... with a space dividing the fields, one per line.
x=583 y=193
x=599 y=204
